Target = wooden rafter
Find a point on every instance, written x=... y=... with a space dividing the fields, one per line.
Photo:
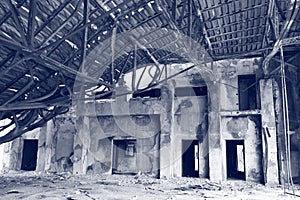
x=18 y=21
x=53 y=64
x=52 y=16
x=174 y=9
x=11 y=55
x=133 y=81
x=31 y=23
x=100 y=18
x=70 y=18
x=12 y=44
x=13 y=81
x=84 y=34
x=19 y=93
x=205 y=34
x=180 y=19
x=9 y=13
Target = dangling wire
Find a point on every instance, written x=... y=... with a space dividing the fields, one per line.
x=286 y=122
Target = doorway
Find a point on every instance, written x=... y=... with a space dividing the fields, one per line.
x=247 y=92
x=124 y=156
x=29 y=155
x=190 y=158
x=235 y=159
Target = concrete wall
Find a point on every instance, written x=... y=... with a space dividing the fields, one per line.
x=247 y=128
x=227 y=72
x=158 y=125
x=104 y=129
x=85 y=144
x=190 y=123
x=55 y=147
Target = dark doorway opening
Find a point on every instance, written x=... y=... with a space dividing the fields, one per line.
x=190 y=91
x=124 y=157
x=247 y=92
x=235 y=157
x=29 y=156
x=190 y=158
x=152 y=93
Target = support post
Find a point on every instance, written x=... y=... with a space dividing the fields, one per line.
x=214 y=135
x=269 y=139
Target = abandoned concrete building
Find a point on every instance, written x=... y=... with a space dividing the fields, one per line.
x=169 y=88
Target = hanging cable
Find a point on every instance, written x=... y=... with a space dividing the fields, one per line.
x=286 y=123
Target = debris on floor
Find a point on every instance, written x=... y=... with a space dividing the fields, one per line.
x=32 y=185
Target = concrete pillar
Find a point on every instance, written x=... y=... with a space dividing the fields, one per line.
x=82 y=142
x=269 y=139
x=41 y=161
x=49 y=146
x=166 y=136
x=214 y=135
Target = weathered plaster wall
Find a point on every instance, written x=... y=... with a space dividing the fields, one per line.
x=224 y=102
x=227 y=72
x=12 y=154
x=103 y=129
x=247 y=128
x=63 y=139
x=55 y=147
x=191 y=123
x=269 y=138
x=179 y=118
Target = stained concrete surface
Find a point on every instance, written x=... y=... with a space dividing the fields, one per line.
x=31 y=186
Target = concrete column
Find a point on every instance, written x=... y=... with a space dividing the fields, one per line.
x=166 y=136
x=49 y=146
x=81 y=145
x=269 y=140
x=214 y=135
x=41 y=161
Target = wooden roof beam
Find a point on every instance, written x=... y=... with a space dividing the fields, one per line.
x=53 y=64
x=86 y=4
x=11 y=44
x=9 y=13
x=10 y=83
x=53 y=15
x=54 y=34
x=18 y=21
x=11 y=55
x=205 y=34
x=31 y=23
x=19 y=93
x=173 y=24
x=82 y=27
